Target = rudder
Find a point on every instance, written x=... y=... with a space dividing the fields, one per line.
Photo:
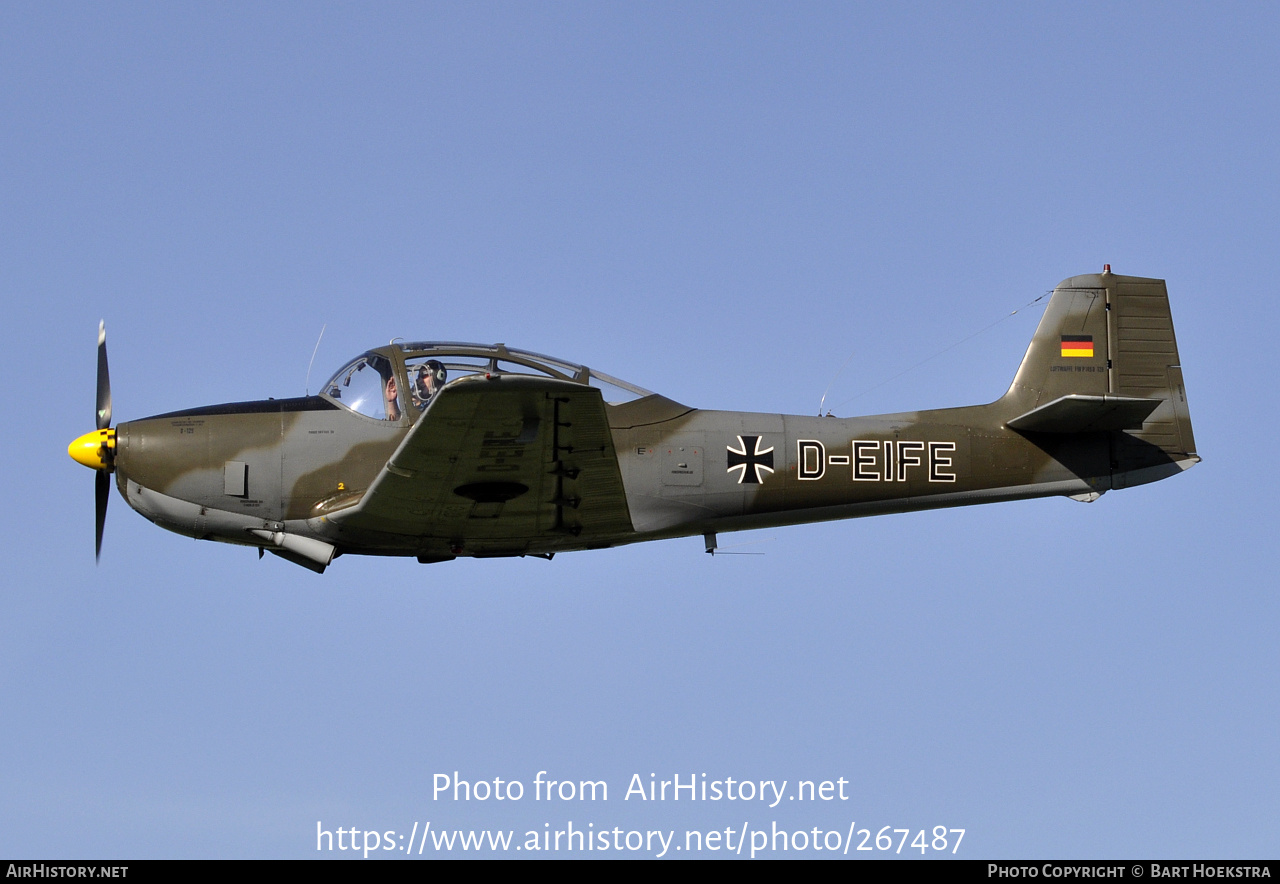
x=1145 y=361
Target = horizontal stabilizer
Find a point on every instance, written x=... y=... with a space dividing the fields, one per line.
x=1078 y=413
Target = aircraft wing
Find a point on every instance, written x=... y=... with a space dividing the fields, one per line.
x=500 y=465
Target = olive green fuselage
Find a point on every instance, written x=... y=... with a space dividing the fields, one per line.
x=295 y=466
x=445 y=450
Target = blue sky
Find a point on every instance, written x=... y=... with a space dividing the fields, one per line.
x=720 y=202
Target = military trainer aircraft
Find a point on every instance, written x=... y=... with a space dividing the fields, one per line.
x=439 y=450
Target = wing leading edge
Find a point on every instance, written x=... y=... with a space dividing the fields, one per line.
x=499 y=466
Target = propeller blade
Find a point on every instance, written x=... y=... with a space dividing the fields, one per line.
x=102 y=493
x=104 y=381
x=102 y=482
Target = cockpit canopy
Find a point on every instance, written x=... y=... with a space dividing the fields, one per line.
x=367 y=385
x=397 y=382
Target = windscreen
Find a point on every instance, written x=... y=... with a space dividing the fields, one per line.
x=367 y=385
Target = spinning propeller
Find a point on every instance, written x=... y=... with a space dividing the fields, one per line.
x=97 y=450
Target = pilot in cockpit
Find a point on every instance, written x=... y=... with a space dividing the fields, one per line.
x=430 y=377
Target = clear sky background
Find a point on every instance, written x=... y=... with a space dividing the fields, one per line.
x=720 y=202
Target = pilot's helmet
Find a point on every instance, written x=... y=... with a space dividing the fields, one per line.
x=433 y=370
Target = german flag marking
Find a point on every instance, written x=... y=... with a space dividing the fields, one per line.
x=1077 y=345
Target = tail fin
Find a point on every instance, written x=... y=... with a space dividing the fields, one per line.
x=1104 y=359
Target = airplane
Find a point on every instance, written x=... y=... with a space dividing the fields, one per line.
x=441 y=450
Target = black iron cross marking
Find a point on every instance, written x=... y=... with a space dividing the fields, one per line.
x=750 y=460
